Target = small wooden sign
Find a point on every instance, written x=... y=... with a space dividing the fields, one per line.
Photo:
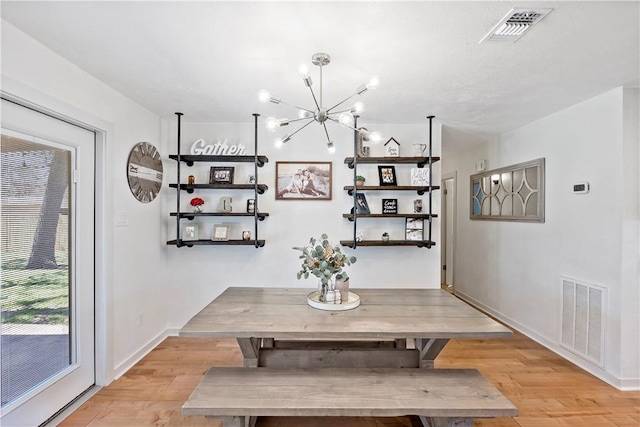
x=389 y=206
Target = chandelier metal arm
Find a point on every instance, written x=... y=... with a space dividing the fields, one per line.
x=342 y=102
x=314 y=98
x=342 y=124
x=311 y=120
x=295 y=106
x=326 y=132
x=296 y=120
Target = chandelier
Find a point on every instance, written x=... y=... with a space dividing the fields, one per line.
x=319 y=113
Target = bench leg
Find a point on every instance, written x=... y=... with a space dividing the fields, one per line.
x=429 y=349
x=250 y=348
x=446 y=422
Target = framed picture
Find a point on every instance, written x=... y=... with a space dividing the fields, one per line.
x=221 y=175
x=189 y=232
x=389 y=206
x=303 y=180
x=414 y=229
x=387 y=175
x=413 y=235
x=420 y=176
x=362 y=207
x=221 y=232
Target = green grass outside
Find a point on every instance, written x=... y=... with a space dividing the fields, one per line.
x=34 y=296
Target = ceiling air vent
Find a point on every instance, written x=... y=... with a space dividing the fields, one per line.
x=515 y=24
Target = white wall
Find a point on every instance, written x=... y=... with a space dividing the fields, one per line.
x=200 y=273
x=514 y=269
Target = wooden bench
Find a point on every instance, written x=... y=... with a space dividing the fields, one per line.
x=440 y=397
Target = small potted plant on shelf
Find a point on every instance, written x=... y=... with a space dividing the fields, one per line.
x=197 y=204
x=360 y=180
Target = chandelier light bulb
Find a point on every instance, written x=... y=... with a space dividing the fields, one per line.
x=304 y=114
x=271 y=124
x=345 y=118
x=373 y=83
x=357 y=108
x=303 y=71
x=331 y=147
x=278 y=143
x=375 y=137
x=264 y=96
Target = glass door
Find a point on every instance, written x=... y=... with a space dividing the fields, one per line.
x=47 y=264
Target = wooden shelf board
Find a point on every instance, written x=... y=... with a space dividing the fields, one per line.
x=191 y=158
x=420 y=161
x=193 y=214
x=418 y=243
x=203 y=242
x=424 y=216
x=261 y=187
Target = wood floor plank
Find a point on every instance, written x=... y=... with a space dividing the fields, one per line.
x=548 y=390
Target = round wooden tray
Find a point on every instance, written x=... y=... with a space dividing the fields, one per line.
x=352 y=302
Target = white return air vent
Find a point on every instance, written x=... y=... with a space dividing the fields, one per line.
x=583 y=313
x=515 y=24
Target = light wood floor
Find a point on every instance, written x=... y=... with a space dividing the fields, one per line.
x=547 y=390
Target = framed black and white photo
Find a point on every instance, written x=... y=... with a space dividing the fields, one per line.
x=362 y=207
x=389 y=206
x=420 y=176
x=221 y=232
x=387 y=175
x=303 y=180
x=414 y=229
x=221 y=175
x=189 y=232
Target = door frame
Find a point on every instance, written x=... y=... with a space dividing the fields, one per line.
x=453 y=177
x=29 y=97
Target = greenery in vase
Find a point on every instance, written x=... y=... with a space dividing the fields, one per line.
x=323 y=260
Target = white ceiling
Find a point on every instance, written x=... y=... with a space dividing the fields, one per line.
x=209 y=59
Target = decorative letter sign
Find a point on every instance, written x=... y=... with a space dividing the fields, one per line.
x=220 y=148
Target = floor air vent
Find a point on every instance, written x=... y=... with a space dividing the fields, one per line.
x=515 y=24
x=583 y=314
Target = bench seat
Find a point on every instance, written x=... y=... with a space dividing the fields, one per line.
x=443 y=396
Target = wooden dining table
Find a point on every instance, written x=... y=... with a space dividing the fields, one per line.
x=391 y=328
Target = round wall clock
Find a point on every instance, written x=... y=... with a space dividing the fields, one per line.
x=144 y=172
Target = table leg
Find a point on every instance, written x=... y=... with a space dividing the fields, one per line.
x=429 y=349
x=250 y=348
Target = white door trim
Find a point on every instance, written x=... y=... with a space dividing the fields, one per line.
x=451 y=240
x=29 y=97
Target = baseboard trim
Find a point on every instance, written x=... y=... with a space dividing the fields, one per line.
x=123 y=367
x=622 y=384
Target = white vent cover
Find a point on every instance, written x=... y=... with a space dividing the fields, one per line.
x=515 y=24
x=583 y=314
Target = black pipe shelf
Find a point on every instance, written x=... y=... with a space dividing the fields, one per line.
x=190 y=159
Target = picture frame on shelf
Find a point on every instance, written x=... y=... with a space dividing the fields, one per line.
x=221 y=175
x=414 y=229
x=303 y=180
x=362 y=207
x=387 y=175
x=189 y=232
x=420 y=176
x=221 y=232
x=389 y=206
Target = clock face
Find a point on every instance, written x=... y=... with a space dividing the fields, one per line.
x=144 y=172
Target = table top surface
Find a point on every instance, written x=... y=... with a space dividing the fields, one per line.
x=283 y=313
